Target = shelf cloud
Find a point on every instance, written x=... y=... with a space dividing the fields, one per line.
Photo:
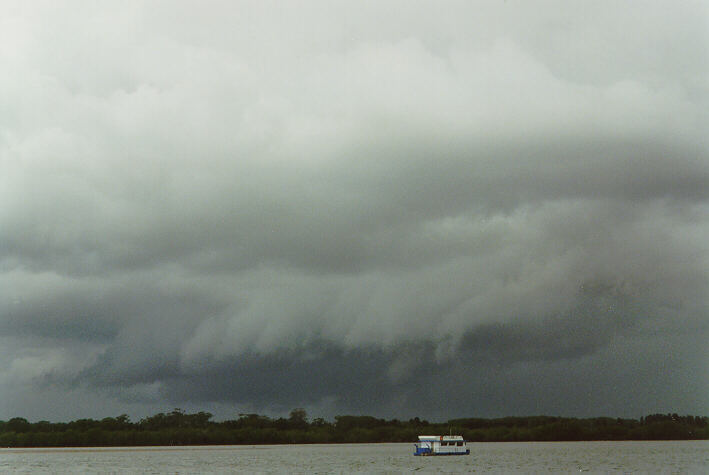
x=393 y=208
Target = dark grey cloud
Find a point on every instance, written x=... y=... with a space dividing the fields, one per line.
x=354 y=207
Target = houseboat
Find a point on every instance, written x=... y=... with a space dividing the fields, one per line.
x=441 y=445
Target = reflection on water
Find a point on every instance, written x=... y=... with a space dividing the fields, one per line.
x=522 y=457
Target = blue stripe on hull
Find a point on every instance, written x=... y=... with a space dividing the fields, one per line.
x=431 y=454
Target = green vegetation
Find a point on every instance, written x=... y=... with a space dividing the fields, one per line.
x=180 y=428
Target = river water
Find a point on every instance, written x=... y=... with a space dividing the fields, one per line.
x=522 y=457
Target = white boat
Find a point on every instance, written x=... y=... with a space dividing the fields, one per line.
x=441 y=445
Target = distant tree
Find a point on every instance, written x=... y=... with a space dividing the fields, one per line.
x=201 y=419
x=318 y=422
x=18 y=424
x=298 y=418
x=364 y=422
x=298 y=414
x=179 y=427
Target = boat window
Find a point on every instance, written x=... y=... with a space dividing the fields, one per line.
x=460 y=444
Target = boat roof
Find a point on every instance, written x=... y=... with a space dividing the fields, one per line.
x=432 y=438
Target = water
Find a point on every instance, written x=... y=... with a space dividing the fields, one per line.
x=522 y=457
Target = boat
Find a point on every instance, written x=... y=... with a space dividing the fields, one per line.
x=441 y=445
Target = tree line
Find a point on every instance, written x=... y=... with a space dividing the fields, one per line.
x=181 y=428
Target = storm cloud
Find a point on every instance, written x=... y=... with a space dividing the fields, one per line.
x=354 y=207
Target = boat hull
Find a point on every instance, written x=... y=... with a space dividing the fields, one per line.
x=431 y=454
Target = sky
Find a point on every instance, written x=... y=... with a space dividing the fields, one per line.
x=392 y=208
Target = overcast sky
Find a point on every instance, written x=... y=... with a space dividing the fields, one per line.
x=434 y=209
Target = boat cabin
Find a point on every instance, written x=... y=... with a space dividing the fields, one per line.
x=441 y=445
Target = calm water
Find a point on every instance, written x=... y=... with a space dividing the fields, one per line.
x=523 y=457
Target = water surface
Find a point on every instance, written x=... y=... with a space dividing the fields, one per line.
x=522 y=457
